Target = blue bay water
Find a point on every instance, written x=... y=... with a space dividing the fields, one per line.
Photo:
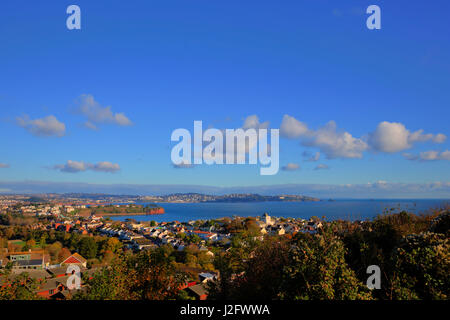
x=332 y=210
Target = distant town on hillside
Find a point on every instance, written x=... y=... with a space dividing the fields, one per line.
x=86 y=199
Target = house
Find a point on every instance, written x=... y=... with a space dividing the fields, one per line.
x=280 y=231
x=55 y=288
x=205 y=235
x=59 y=271
x=39 y=274
x=142 y=243
x=206 y=276
x=198 y=292
x=29 y=260
x=75 y=259
x=48 y=287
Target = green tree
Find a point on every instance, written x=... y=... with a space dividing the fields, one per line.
x=110 y=283
x=317 y=270
x=88 y=248
x=422 y=267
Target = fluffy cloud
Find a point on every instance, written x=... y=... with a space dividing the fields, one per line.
x=330 y=141
x=428 y=155
x=80 y=166
x=388 y=137
x=96 y=114
x=393 y=137
x=43 y=127
x=252 y=122
x=71 y=166
x=292 y=128
x=290 y=167
x=321 y=167
x=4 y=165
x=334 y=143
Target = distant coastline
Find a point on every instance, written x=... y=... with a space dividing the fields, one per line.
x=229 y=198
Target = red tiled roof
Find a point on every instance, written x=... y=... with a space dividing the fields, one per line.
x=75 y=258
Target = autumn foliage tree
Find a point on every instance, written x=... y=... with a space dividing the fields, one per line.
x=148 y=275
x=317 y=270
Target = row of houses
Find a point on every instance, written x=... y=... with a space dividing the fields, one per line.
x=276 y=226
x=54 y=282
x=35 y=260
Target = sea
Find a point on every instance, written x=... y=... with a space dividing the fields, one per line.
x=331 y=210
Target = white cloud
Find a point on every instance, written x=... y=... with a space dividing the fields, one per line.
x=393 y=137
x=80 y=166
x=290 y=167
x=330 y=141
x=96 y=114
x=4 y=165
x=334 y=143
x=292 y=128
x=388 y=137
x=431 y=155
x=321 y=167
x=105 y=166
x=71 y=166
x=252 y=122
x=43 y=127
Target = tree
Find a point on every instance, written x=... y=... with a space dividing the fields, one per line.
x=110 y=283
x=64 y=253
x=88 y=248
x=31 y=243
x=317 y=270
x=43 y=240
x=21 y=287
x=148 y=275
x=263 y=272
x=54 y=250
x=111 y=244
x=183 y=295
x=422 y=267
x=157 y=279
x=252 y=227
x=193 y=238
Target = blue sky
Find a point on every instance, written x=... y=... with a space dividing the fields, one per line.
x=160 y=65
